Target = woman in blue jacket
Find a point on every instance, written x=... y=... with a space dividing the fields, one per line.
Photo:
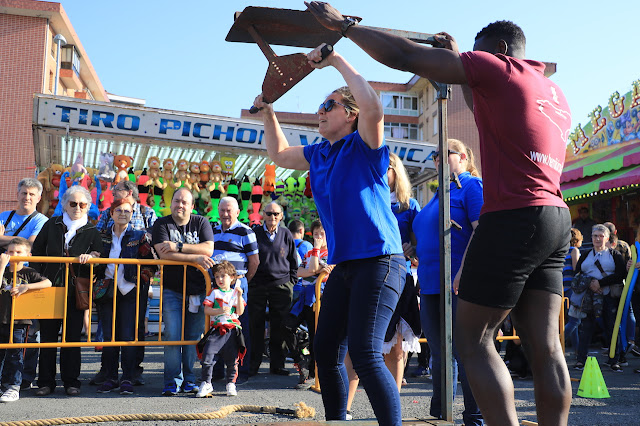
x=348 y=172
x=122 y=241
x=466 y=203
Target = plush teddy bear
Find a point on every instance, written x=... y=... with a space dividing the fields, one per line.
x=182 y=175
x=122 y=164
x=216 y=172
x=50 y=180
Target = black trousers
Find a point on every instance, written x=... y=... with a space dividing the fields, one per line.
x=278 y=298
x=69 y=357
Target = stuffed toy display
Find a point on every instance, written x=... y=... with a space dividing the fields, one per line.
x=207 y=181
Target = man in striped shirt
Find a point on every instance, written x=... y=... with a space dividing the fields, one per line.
x=236 y=243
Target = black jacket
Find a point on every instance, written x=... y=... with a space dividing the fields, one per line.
x=618 y=275
x=50 y=242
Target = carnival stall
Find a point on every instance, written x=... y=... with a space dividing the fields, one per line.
x=602 y=165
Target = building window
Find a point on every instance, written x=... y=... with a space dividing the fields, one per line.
x=401 y=131
x=399 y=104
x=51 y=78
x=435 y=124
x=70 y=59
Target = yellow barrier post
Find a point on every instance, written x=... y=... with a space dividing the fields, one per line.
x=316 y=308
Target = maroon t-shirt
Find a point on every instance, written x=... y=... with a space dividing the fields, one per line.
x=523 y=120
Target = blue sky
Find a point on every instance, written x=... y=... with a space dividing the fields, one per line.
x=173 y=53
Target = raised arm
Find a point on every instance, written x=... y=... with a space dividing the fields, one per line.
x=371 y=115
x=289 y=157
x=442 y=65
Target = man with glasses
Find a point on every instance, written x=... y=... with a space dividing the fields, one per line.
x=142 y=219
x=25 y=222
x=272 y=285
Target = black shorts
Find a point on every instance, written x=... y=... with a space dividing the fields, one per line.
x=513 y=250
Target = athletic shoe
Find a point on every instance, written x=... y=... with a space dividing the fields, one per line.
x=10 y=395
x=190 y=387
x=579 y=366
x=303 y=373
x=231 y=389
x=633 y=349
x=205 y=389
x=616 y=368
x=623 y=362
x=637 y=370
x=25 y=385
x=170 y=390
x=108 y=386
x=126 y=388
x=348 y=416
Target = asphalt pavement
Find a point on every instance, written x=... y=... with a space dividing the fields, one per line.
x=622 y=408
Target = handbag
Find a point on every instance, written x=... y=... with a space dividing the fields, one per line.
x=81 y=286
x=103 y=289
x=615 y=290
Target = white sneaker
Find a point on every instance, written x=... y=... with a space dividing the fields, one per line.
x=231 y=389
x=10 y=396
x=205 y=390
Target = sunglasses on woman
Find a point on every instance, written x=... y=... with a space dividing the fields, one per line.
x=74 y=204
x=329 y=104
x=436 y=154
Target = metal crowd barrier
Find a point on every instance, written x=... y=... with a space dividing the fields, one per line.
x=51 y=303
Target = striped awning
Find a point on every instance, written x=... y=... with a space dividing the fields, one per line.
x=618 y=180
x=601 y=161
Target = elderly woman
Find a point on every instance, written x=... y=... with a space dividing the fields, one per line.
x=607 y=269
x=69 y=235
x=348 y=172
x=121 y=240
x=466 y=203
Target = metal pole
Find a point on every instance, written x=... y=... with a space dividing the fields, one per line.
x=60 y=41
x=446 y=340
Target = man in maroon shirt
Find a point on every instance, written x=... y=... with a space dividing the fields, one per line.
x=523 y=120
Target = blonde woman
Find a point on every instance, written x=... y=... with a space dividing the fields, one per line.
x=404 y=328
x=466 y=203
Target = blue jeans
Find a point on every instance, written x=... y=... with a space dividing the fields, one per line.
x=430 y=320
x=31 y=355
x=609 y=309
x=125 y=331
x=358 y=301
x=11 y=360
x=572 y=332
x=179 y=360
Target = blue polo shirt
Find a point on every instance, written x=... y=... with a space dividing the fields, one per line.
x=466 y=203
x=405 y=222
x=350 y=188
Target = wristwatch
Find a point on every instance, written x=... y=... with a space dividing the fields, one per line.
x=346 y=24
x=180 y=245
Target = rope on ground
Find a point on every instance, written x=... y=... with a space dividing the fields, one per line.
x=302 y=411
